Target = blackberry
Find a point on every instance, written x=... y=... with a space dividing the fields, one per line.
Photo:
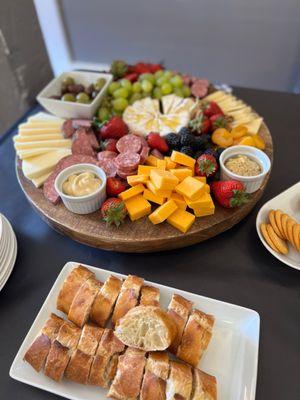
x=173 y=140
x=200 y=141
x=212 y=152
x=188 y=150
x=187 y=139
x=184 y=130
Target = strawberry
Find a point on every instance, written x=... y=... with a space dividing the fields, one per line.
x=155 y=141
x=229 y=194
x=220 y=121
x=114 y=128
x=113 y=211
x=200 y=124
x=114 y=186
x=132 y=77
x=211 y=108
x=154 y=67
x=110 y=145
x=206 y=165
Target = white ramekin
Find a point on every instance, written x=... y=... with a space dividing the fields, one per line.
x=251 y=183
x=85 y=204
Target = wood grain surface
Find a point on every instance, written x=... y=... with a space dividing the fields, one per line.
x=139 y=236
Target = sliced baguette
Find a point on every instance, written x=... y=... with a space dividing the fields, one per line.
x=146 y=328
x=69 y=335
x=149 y=296
x=204 y=386
x=57 y=361
x=155 y=376
x=79 y=366
x=180 y=381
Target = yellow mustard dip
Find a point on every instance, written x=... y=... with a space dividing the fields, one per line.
x=82 y=184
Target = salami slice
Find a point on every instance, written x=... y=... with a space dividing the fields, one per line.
x=127 y=161
x=124 y=175
x=106 y=155
x=144 y=153
x=200 y=88
x=109 y=167
x=129 y=143
x=78 y=123
x=67 y=128
x=82 y=143
x=93 y=139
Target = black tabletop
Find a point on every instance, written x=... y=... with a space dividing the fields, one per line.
x=233 y=267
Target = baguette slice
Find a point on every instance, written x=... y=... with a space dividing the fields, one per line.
x=180 y=381
x=196 y=337
x=105 y=362
x=89 y=339
x=70 y=287
x=179 y=310
x=37 y=353
x=57 y=361
x=146 y=328
x=127 y=381
x=155 y=376
x=82 y=303
x=69 y=335
x=79 y=367
x=105 y=301
x=149 y=296
x=204 y=386
x=128 y=297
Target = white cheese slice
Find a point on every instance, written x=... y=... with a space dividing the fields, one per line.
x=35 y=138
x=254 y=126
x=38 y=182
x=39 y=131
x=66 y=143
x=38 y=166
x=44 y=116
x=23 y=154
x=215 y=96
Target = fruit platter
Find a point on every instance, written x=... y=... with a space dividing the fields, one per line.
x=166 y=161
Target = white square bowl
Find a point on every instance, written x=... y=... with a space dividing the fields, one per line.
x=232 y=355
x=68 y=109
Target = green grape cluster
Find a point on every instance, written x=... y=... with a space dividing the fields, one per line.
x=122 y=93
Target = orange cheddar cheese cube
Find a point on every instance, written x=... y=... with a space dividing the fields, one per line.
x=163 y=180
x=190 y=188
x=163 y=212
x=207 y=188
x=158 y=192
x=181 y=220
x=179 y=200
x=201 y=178
x=182 y=159
x=134 y=180
x=153 y=197
x=202 y=212
x=161 y=164
x=133 y=191
x=145 y=169
x=151 y=160
x=181 y=173
x=137 y=207
x=205 y=201
x=170 y=164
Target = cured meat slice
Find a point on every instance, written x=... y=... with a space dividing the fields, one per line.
x=129 y=143
x=144 y=153
x=128 y=162
x=68 y=129
x=82 y=143
x=109 y=167
x=156 y=153
x=93 y=139
x=200 y=88
x=124 y=175
x=78 y=123
x=106 y=154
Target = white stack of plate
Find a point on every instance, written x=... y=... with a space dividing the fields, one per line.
x=8 y=250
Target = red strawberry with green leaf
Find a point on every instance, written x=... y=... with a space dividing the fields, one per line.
x=113 y=211
x=200 y=124
x=220 y=121
x=206 y=165
x=155 y=141
x=229 y=194
x=211 y=108
x=114 y=128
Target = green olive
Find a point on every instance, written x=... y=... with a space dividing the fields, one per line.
x=68 y=81
x=100 y=83
x=68 y=97
x=83 y=98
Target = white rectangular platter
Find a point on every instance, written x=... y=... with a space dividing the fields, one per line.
x=232 y=355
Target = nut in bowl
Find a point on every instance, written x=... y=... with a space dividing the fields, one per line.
x=246 y=164
x=82 y=188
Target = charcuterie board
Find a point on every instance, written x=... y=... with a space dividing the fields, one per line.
x=140 y=236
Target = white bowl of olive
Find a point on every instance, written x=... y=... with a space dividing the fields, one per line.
x=75 y=94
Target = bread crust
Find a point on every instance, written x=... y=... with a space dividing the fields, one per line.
x=89 y=339
x=149 y=296
x=204 y=386
x=82 y=303
x=105 y=362
x=69 y=335
x=57 y=361
x=158 y=364
x=196 y=337
x=79 y=367
x=105 y=300
x=38 y=351
x=52 y=326
x=179 y=310
x=179 y=383
x=128 y=297
x=127 y=381
x=155 y=376
x=70 y=287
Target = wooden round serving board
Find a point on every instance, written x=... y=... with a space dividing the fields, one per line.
x=139 y=236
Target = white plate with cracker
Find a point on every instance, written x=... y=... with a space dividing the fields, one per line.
x=288 y=202
x=232 y=355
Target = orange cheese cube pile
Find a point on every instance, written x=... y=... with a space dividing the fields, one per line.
x=167 y=190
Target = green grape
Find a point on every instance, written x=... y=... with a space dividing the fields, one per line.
x=166 y=88
x=178 y=92
x=100 y=83
x=186 y=91
x=160 y=81
x=103 y=114
x=83 y=98
x=120 y=104
x=68 y=97
x=176 y=81
x=137 y=87
x=168 y=73
x=159 y=73
x=68 y=81
x=134 y=97
x=122 y=92
x=157 y=94
x=106 y=102
x=147 y=77
x=125 y=83
x=113 y=87
x=147 y=86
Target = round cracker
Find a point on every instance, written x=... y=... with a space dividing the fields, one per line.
x=278 y=215
x=296 y=236
x=273 y=223
x=279 y=243
x=289 y=228
x=284 y=220
x=263 y=229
